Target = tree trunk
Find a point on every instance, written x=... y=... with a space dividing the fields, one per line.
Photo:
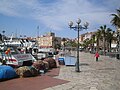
x=97 y=49
x=110 y=46
x=104 y=49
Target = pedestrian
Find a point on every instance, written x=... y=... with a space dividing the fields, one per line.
x=97 y=56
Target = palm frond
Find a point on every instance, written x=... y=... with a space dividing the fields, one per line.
x=116 y=18
x=118 y=12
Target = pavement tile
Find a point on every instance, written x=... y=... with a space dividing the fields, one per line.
x=101 y=75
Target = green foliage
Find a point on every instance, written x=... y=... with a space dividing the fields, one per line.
x=116 y=19
x=106 y=35
x=57 y=46
x=71 y=43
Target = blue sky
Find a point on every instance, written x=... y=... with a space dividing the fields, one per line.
x=21 y=17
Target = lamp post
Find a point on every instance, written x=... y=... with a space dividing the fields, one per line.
x=78 y=28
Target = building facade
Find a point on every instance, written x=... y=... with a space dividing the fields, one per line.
x=48 y=41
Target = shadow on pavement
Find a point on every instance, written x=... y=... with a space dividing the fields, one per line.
x=84 y=64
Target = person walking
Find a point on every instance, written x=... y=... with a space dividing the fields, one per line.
x=97 y=56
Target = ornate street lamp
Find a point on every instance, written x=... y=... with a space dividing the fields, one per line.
x=78 y=28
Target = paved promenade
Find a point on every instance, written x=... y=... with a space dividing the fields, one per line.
x=101 y=75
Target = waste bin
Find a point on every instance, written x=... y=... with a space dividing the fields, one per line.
x=61 y=60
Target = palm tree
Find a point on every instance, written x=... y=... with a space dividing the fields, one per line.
x=116 y=19
x=86 y=43
x=103 y=33
x=109 y=37
x=92 y=42
x=116 y=22
x=98 y=37
x=56 y=45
